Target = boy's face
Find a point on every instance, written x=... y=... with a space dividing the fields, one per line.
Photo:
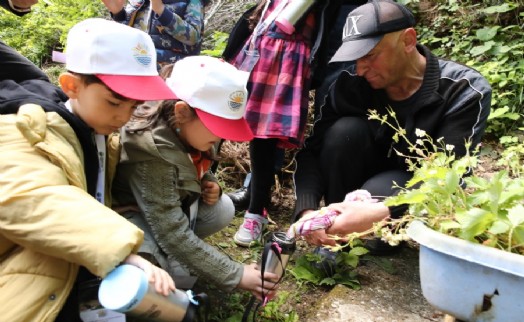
x=102 y=109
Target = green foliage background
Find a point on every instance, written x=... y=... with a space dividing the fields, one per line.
x=484 y=34
x=37 y=34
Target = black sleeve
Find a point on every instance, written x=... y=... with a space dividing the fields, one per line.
x=16 y=67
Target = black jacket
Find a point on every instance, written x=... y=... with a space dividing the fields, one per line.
x=453 y=103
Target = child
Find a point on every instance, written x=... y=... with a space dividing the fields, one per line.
x=277 y=106
x=176 y=27
x=163 y=184
x=54 y=234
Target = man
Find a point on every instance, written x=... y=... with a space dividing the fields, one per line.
x=346 y=151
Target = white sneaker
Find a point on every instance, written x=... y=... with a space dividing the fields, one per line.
x=250 y=230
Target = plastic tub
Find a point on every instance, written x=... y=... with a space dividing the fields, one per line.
x=469 y=281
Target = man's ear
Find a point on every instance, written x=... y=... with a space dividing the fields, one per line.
x=70 y=84
x=182 y=112
x=409 y=37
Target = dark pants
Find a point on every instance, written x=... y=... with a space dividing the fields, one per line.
x=351 y=160
x=263 y=153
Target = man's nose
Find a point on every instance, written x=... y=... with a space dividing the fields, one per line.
x=361 y=66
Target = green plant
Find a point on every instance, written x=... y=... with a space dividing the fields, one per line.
x=219 y=41
x=307 y=268
x=45 y=29
x=445 y=193
x=273 y=310
x=488 y=37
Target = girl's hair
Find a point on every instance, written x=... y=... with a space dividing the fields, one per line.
x=165 y=70
x=254 y=18
x=164 y=112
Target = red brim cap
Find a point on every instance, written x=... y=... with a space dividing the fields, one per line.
x=233 y=130
x=140 y=88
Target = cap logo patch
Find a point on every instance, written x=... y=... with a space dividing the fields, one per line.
x=350 y=29
x=236 y=100
x=142 y=55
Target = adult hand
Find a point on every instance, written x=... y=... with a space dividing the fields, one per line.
x=23 y=4
x=317 y=237
x=157 y=6
x=210 y=192
x=356 y=216
x=164 y=284
x=114 y=6
x=252 y=281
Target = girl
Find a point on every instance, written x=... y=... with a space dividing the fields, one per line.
x=277 y=105
x=163 y=184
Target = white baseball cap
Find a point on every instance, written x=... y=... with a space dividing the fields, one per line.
x=124 y=58
x=217 y=91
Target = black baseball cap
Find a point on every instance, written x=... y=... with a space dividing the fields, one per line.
x=366 y=26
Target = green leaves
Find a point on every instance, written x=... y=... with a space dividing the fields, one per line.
x=311 y=268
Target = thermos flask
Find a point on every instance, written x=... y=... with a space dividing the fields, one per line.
x=127 y=290
x=292 y=13
x=285 y=246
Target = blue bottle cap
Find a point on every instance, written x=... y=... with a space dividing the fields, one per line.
x=123 y=288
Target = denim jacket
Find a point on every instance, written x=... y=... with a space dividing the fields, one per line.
x=156 y=173
x=176 y=33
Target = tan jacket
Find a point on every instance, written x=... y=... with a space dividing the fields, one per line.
x=49 y=224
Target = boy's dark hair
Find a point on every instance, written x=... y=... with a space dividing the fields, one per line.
x=89 y=79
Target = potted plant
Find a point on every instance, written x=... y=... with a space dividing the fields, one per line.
x=470 y=230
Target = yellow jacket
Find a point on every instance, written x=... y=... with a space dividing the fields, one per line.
x=49 y=224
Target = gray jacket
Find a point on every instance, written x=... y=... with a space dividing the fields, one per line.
x=156 y=174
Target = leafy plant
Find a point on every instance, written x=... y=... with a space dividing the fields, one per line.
x=36 y=34
x=311 y=268
x=445 y=194
x=488 y=37
x=219 y=42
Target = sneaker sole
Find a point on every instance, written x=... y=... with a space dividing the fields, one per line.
x=242 y=243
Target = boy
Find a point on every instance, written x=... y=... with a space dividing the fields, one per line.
x=53 y=233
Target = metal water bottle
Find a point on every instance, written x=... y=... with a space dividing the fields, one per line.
x=292 y=13
x=127 y=290
x=285 y=246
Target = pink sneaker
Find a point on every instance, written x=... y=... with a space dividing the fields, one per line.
x=251 y=229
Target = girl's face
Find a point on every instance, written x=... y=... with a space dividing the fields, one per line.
x=192 y=131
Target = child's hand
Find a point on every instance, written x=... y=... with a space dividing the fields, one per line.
x=114 y=6
x=210 y=192
x=252 y=281
x=162 y=280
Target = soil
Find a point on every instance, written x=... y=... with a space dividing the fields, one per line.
x=384 y=295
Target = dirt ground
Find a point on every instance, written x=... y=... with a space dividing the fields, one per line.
x=384 y=295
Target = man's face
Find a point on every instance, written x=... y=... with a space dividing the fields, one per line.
x=101 y=109
x=382 y=66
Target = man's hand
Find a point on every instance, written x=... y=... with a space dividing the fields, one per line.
x=319 y=237
x=114 y=6
x=210 y=192
x=356 y=216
